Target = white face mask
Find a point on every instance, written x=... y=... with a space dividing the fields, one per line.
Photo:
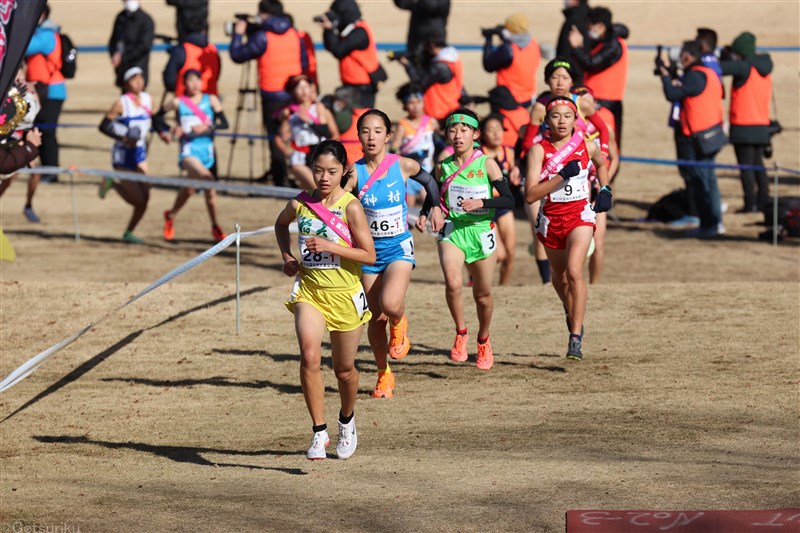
x=594 y=35
x=131 y=5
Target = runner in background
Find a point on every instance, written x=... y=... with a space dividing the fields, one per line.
x=466 y=180
x=558 y=170
x=380 y=185
x=310 y=123
x=414 y=137
x=128 y=122
x=199 y=115
x=492 y=146
x=327 y=292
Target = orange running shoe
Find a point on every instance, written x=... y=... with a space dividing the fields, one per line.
x=399 y=345
x=485 y=356
x=385 y=385
x=217 y=232
x=459 y=351
x=169 y=227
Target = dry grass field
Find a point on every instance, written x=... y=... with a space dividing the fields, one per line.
x=162 y=418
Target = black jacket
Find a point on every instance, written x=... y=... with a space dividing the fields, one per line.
x=573 y=16
x=740 y=69
x=133 y=36
x=187 y=9
x=428 y=17
x=610 y=52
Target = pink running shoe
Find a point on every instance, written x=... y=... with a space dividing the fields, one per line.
x=485 y=356
x=459 y=351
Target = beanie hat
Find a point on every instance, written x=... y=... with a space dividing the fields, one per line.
x=744 y=44
x=517 y=23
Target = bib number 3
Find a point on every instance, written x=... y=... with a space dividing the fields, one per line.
x=489 y=241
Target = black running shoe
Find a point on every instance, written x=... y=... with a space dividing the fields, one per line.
x=574 y=349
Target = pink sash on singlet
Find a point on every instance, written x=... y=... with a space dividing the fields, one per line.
x=294 y=108
x=475 y=155
x=382 y=169
x=552 y=165
x=417 y=135
x=138 y=101
x=325 y=215
x=196 y=110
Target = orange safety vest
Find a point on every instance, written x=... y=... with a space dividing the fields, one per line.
x=512 y=122
x=442 y=98
x=750 y=102
x=349 y=138
x=206 y=61
x=609 y=84
x=520 y=76
x=698 y=113
x=312 y=57
x=280 y=62
x=46 y=68
x=355 y=68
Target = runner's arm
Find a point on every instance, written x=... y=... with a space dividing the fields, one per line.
x=500 y=184
x=282 y=236
x=363 y=249
x=414 y=171
x=599 y=162
x=110 y=127
x=535 y=190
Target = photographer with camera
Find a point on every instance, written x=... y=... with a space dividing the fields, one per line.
x=131 y=41
x=604 y=62
x=749 y=115
x=428 y=17
x=442 y=79
x=281 y=53
x=698 y=135
x=194 y=52
x=516 y=60
x=349 y=38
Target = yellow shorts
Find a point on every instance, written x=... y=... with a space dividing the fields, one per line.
x=343 y=310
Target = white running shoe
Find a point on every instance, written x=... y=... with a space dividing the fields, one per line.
x=318 y=444
x=348 y=440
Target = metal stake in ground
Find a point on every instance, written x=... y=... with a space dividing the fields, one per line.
x=238 y=241
x=775 y=207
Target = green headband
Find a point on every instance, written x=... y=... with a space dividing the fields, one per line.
x=459 y=118
x=561 y=64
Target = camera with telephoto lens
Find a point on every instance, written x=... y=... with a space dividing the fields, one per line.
x=488 y=32
x=333 y=17
x=397 y=55
x=252 y=24
x=670 y=65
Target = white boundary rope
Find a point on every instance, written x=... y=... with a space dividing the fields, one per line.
x=33 y=363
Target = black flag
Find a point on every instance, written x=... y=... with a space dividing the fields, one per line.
x=18 y=19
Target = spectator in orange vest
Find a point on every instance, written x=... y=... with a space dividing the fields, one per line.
x=442 y=80
x=516 y=60
x=700 y=93
x=604 y=62
x=281 y=54
x=193 y=53
x=131 y=41
x=349 y=38
x=749 y=115
x=43 y=58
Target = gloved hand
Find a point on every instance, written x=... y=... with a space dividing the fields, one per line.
x=603 y=201
x=570 y=170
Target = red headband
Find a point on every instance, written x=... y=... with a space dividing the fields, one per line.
x=561 y=101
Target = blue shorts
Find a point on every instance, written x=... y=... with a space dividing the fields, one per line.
x=389 y=250
x=413 y=188
x=202 y=151
x=128 y=158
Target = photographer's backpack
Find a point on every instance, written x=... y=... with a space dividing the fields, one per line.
x=69 y=56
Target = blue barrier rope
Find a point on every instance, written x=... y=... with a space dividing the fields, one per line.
x=385 y=47
x=627 y=159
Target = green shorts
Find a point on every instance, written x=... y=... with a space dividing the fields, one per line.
x=477 y=241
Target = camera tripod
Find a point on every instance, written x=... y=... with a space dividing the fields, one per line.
x=247 y=100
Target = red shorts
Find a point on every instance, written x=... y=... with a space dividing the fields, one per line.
x=553 y=231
